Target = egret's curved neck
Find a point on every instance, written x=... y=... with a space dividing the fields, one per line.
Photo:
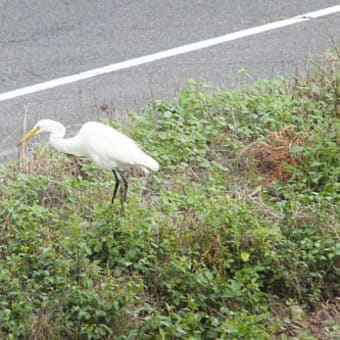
x=66 y=145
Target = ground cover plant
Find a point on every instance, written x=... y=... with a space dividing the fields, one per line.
x=236 y=237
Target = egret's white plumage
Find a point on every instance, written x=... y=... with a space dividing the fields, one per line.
x=107 y=147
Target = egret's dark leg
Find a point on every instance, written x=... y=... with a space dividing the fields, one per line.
x=116 y=186
x=126 y=185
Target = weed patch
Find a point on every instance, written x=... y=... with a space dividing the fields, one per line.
x=236 y=237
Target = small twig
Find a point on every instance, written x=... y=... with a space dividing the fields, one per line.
x=22 y=149
x=257 y=190
x=150 y=86
x=337 y=51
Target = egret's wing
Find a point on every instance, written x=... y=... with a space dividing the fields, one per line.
x=109 y=147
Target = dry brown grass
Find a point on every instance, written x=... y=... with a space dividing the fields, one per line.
x=320 y=323
x=43 y=327
x=47 y=163
x=271 y=156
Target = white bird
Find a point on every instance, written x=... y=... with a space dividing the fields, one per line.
x=104 y=145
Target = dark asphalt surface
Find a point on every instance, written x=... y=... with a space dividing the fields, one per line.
x=42 y=40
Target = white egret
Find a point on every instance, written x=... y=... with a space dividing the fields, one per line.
x=104 y=145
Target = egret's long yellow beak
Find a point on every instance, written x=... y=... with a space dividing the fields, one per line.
x=29 y=135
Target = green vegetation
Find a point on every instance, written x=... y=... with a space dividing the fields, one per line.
x=236 y=237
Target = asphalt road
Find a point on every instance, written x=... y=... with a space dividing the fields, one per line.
x=41 y=40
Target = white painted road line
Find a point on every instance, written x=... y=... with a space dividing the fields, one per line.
x=168 y=53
